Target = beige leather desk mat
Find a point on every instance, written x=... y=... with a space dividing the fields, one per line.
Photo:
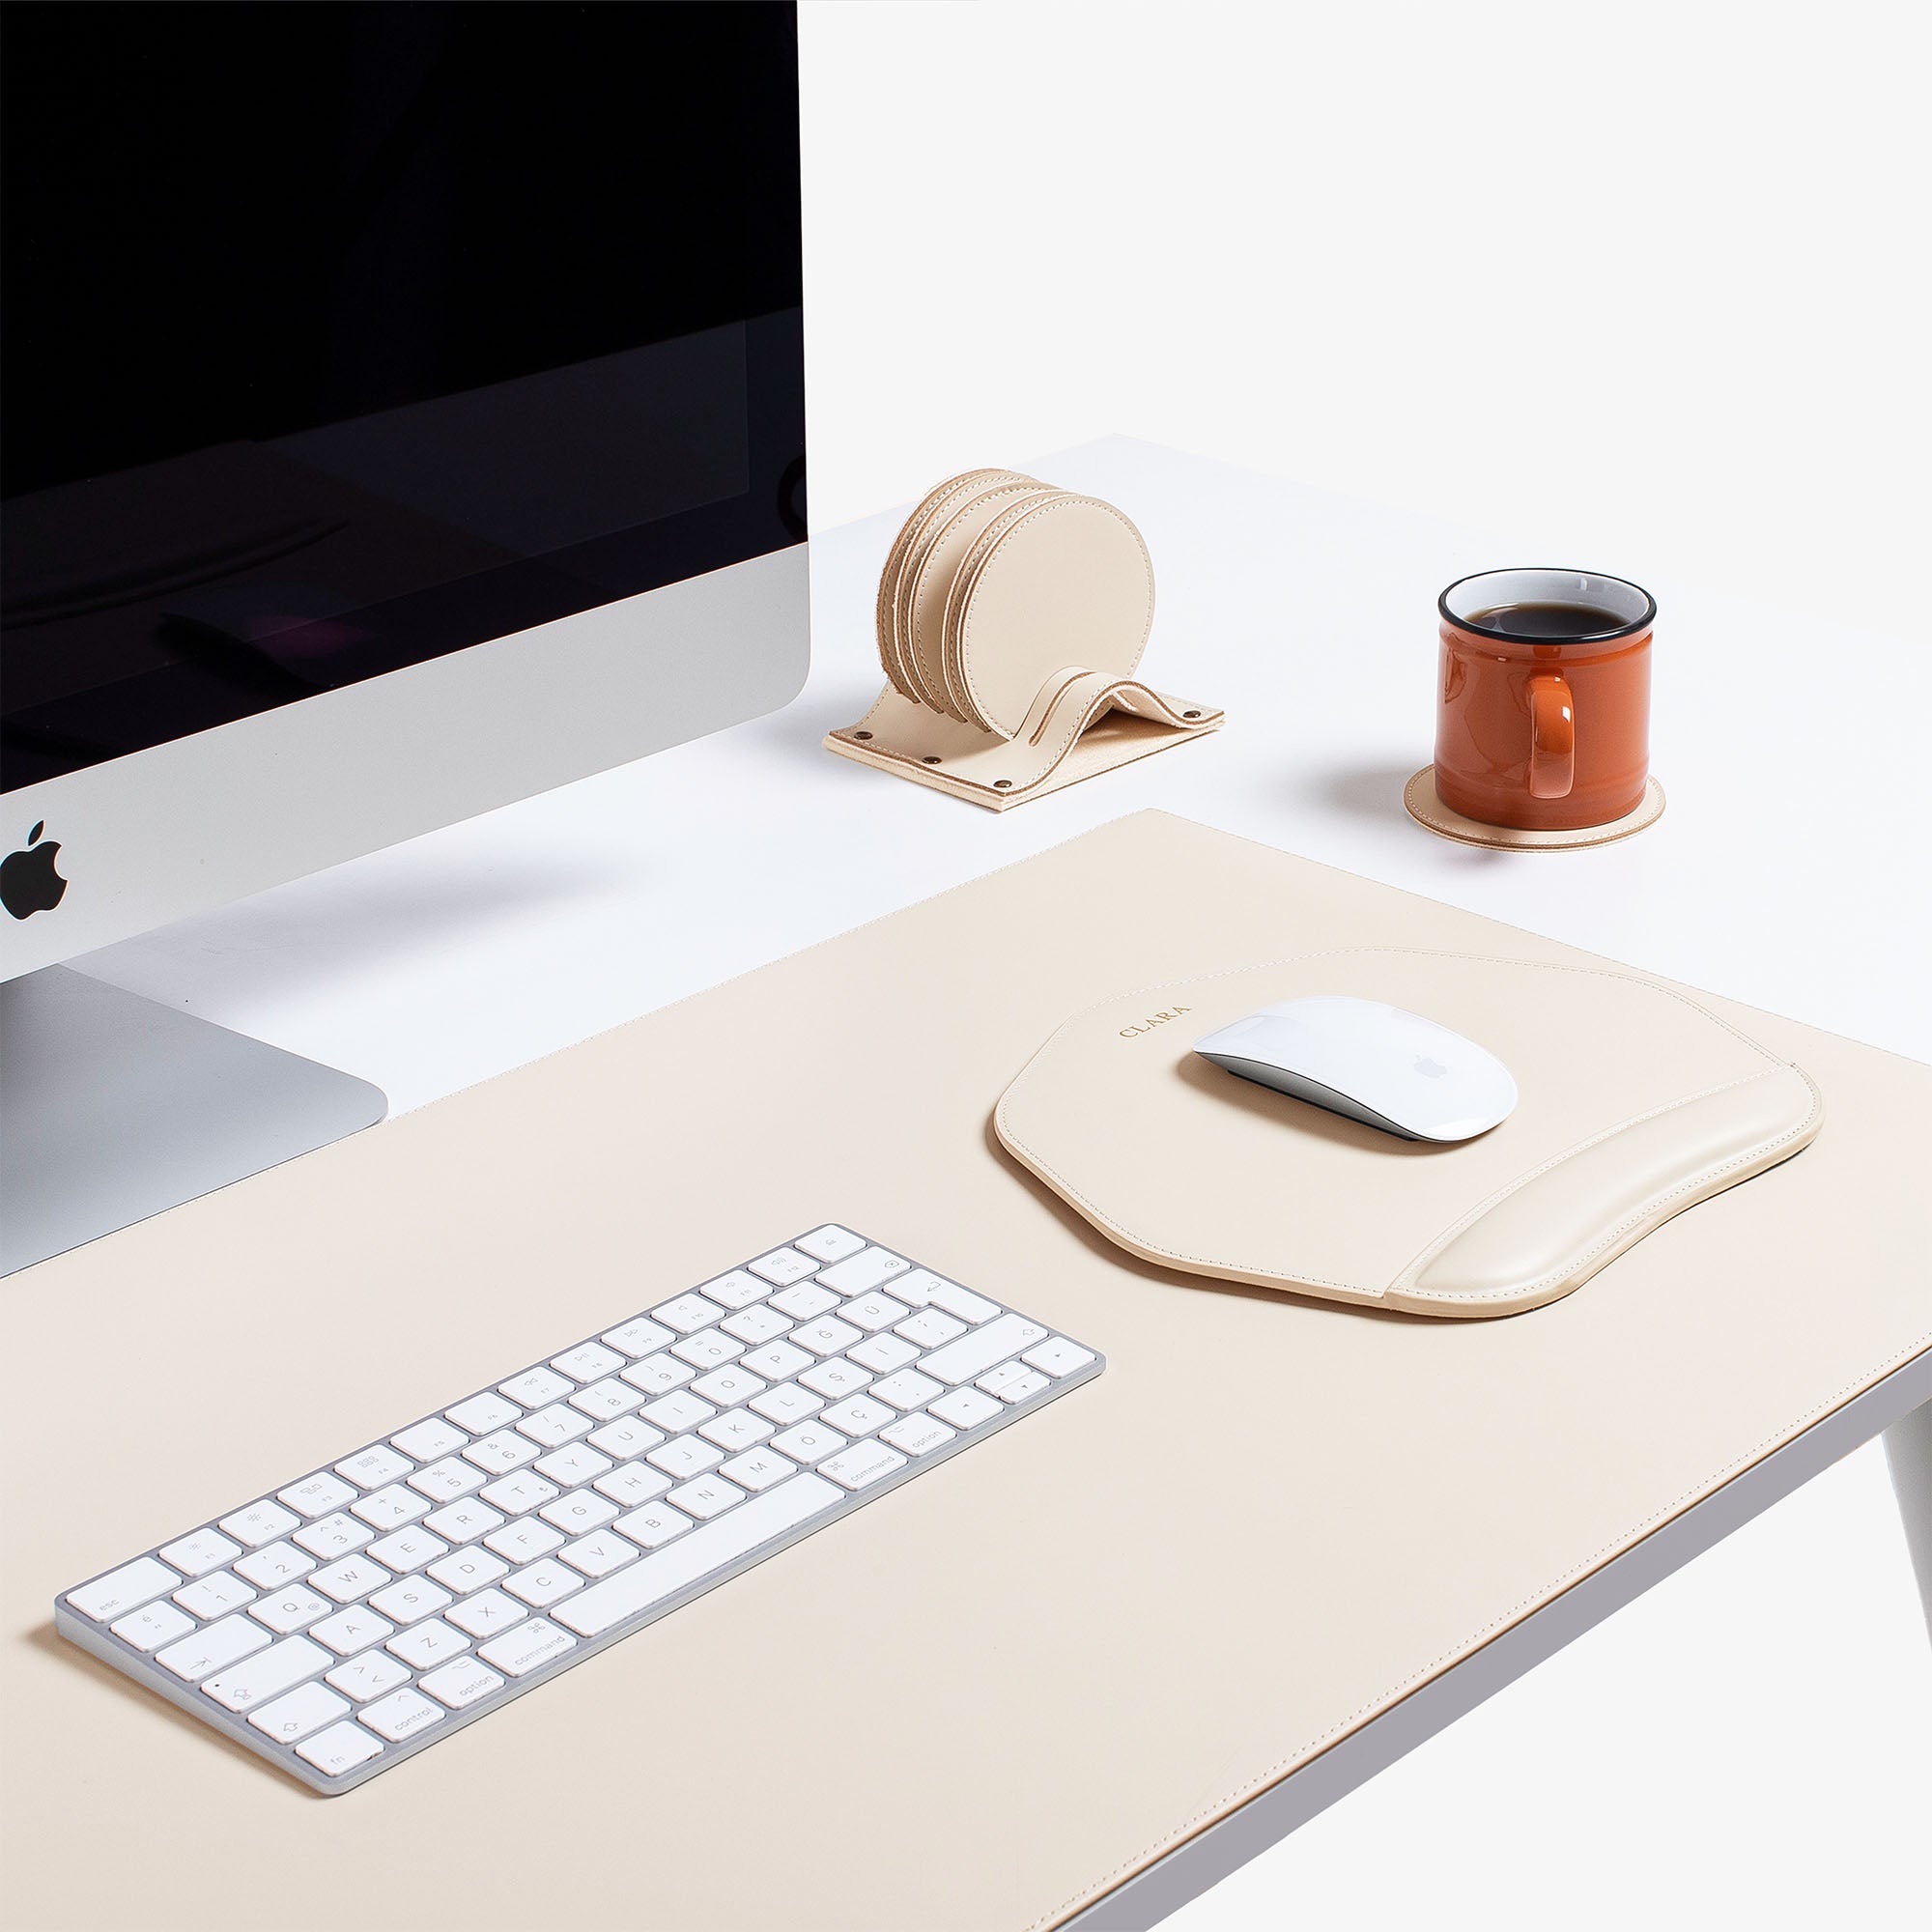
x=990 y=1696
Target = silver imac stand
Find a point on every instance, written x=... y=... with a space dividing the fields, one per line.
x=114 y=1107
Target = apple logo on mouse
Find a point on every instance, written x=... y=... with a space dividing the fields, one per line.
x=1429 y=1069
x=28 y=881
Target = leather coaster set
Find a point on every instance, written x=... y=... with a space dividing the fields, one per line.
x=1011 y=617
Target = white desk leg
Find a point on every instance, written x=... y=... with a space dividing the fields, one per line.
x=1908 y=1448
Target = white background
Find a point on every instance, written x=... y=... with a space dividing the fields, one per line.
x=1645 y=287
x=1635 y=288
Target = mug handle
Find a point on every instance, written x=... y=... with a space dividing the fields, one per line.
x=1553 y=736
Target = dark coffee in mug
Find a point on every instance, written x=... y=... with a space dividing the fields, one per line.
x=1548 y=621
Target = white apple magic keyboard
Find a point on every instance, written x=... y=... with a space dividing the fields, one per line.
x=370 y=1608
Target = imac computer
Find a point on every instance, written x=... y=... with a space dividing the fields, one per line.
x=402 y=415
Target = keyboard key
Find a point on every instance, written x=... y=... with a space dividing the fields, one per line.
x=502 y=1452
x=368 y=1676
x=728 y=1386
x=443 y=1482
x=286 y=1610
x=524 y=1542
x=299 y=1714
x=487 y=1612
x=461 y=1682
x=401 y=1716
x=695 y=1555
x=578 y=1512
x=149 y=1628
x=908 y=1389
x=996 y=1381
x=736 y=1289
x=374 y=1467
x=567 y=1467
x=777 y=1361
x=974 y=1353
x=707 y=1496
x=708 y=1347
x=520 y=1651
x=686 y=1456
x=860 y=1417
x=782 y=1266
x=757 y=1468
x=426 y=1643
x=735 y=1428
x=215 y=1595
x=407 y=1550
x=557 y=1425
x=917 y=1434
x=352 y=1630
x=273 y=1565
x=653 y=1524
x=597 y=1554
x=836 y=1377
x=753 y=1325
x=679 y=1412
x=267 y=1675
x=633 y=1483
x=205 y=1550
x=542 y=1583
x=873 y=1311
x=587 y=1362
x=260 y=1523
x=688 y=1313
x=213 y=1647
x=1015 y=1388
x=515 y=1494
x=827 y=1336
x=390 y=1508
x=316 y=1496
x=409 y=1601
x=1057 y=1357
x=483 y=1413
x=639 y=1337
x=830 y=1244
x=535 y=1387
x=929 y=1328
x=465 y=1570
x=429 y=1441
x=656 y=1373
x=601 y=1401
x=805 y=1302
x=862 y=1465
x=788 y=1402
x=915 y=1287
x=621 y=1440
x=961 y=1301
x=882 y=1353
x=965 y=1407
x=340 y=1748
x=868 y=1268
x=329 y=1536
x=123 y=1589
x=809 y=1442
x=464 y=1522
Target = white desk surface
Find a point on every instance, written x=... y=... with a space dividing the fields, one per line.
x=1790 y=869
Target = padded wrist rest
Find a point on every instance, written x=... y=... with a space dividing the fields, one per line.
x=1636 y=1104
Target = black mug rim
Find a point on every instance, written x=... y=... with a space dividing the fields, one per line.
x=1637 y=624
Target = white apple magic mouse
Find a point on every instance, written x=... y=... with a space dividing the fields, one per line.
x=1376 y=1063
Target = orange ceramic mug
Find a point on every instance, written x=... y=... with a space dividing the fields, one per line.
x=1544 y=717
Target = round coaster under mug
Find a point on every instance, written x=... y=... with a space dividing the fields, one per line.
x=1421 y=803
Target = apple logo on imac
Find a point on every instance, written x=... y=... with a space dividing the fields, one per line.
x=28 y=881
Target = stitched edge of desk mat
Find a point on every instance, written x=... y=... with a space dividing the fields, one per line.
x=1682 y=1187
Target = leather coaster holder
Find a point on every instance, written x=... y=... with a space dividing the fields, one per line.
x=1011 y=619
x=1636 y=1104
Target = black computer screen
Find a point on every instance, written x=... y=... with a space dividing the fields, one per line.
x=337 y=337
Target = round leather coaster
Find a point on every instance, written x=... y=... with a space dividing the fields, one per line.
x=1420 y=800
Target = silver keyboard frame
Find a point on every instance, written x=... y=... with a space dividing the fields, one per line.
x=101 y=1642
